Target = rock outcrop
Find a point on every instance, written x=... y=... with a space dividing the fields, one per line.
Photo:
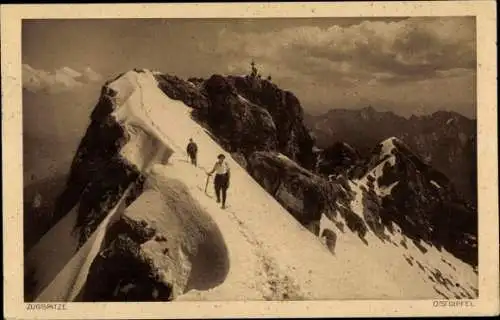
x=246 y=114
x=301 y=192
x=307 y=196
x=98 y=176
x=294 y=140
x=243 y=125
x=339 y=158
x=127 y=267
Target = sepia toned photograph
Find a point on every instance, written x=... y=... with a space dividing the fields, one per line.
x=250 y=159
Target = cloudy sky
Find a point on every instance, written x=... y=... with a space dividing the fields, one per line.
x=414 y=65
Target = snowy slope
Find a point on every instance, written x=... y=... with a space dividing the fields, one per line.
x=68 y=283
x=418 y=267
x=45 y=253
x=270 y=255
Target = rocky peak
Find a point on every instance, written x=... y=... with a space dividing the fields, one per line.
x=392 y=159
x=420 y=199
x=337 y=158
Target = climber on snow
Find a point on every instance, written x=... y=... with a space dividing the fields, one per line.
x=221 y=180
x=192 y=150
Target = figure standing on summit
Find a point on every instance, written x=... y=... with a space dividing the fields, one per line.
x=192 y=151
x=221 y=180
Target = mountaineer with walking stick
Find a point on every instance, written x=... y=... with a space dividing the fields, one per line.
x=221 y=180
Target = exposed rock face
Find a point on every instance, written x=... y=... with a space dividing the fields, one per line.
x=301 y=192
x=187 y=91
x=244 y=125
x=240 y=158
x=330 y=239
x=304 y=194
x=99 y=176
x=121 y=272
x=337 y=159
x=246 y=114
x=294 y=139
x=422 y=200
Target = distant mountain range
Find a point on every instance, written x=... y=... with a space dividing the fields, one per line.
x=445 y=140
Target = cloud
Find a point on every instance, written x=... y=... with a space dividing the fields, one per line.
x=415 y=48
x=362 y=60
x=60 y=80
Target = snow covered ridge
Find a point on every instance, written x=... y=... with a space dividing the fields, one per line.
x=147 y=231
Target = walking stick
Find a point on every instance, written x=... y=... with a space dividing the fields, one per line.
x=206 y=184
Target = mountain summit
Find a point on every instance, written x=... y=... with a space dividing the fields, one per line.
x=420 y=199
x=134 y=222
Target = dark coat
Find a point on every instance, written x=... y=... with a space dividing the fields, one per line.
x=192 y=148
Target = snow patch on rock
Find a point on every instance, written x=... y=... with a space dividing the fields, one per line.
x=434 y=183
